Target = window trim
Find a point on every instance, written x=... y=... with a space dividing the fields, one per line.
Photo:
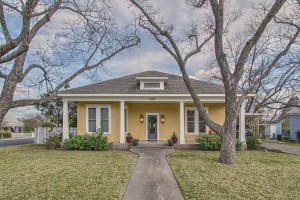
x=196 y=124
x=98 y=117
x=161 y=84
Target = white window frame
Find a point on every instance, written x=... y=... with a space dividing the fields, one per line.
x=98 y=116
x=196 y=124
x=161 y=82
x=126 y=108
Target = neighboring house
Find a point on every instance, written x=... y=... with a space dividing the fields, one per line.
x=294 y=122
x=151 y=105
x=273 y=128
x=12 y=124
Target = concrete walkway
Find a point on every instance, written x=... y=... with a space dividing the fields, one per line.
x=152 y=178
x=283 y=148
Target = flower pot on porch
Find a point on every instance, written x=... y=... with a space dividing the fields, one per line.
x=129 y=139
x=175 y=140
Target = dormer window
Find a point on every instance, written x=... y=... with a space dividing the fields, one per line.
x=152 y=83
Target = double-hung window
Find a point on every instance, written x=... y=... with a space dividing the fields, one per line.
x=98 y=116
x=194 y=123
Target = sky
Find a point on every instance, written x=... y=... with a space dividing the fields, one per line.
x=148 y=56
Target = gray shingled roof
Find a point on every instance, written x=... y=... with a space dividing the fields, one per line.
x=128 y=85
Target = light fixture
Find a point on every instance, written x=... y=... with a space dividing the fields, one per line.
x=162 y=119
x=141 y=118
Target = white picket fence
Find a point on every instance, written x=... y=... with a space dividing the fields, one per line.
x=23 y=135
x=42 y=133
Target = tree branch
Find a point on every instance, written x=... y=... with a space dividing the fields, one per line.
x=239 y=69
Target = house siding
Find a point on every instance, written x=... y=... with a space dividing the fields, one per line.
x=170 y=110
x=294 y=126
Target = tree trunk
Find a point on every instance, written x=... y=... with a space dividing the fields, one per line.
x=228 y=149
x=228 y=136
x=10 y=85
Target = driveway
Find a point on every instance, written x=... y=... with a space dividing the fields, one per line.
x=283 y=148
x=152 y=178
x=16 y=141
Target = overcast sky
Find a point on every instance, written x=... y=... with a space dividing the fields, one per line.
x=149 y=56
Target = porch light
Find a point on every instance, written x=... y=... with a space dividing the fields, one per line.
x=162 y=118
x=141 y=118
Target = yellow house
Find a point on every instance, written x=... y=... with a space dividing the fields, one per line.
x=150 y=105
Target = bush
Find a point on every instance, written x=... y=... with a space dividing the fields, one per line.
x=239 y=145
x=5 y=135
x=54 y=142
x=298 y=134
x=252 y=143
x=285 y=137
x=96 y=141
x=212 y=142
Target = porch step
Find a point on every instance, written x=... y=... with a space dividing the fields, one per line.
x=153 y=145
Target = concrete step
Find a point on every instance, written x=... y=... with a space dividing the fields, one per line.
x=153 y=145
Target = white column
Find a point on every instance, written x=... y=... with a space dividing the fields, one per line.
x=242 y=132
x=65 y=120
x=181 y=113
x=122 y=122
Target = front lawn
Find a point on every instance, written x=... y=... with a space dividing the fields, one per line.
x=32 y=172
x=256 y=175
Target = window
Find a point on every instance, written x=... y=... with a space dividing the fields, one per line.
x=126 y=119
x=190 y=121
x=104 y=119
x=193 y=121
x=97 y=114
x=151 y=85
x=92 y=120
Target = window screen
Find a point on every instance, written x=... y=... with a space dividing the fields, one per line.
x=92 y=119
x=190 y=121
x=105 y=119
x=151 y=85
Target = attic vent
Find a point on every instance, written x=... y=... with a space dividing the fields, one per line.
x=151 y=85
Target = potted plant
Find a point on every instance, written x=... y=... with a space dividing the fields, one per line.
x=129 y=138
x=174 y=138
x=135 y=141
x=170 y=142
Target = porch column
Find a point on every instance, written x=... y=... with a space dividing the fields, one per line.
x=242 y=132
x=122 y=122
x=181 y=113
x=65 y=120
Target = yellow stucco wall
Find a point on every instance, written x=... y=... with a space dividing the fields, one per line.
x=170 y=110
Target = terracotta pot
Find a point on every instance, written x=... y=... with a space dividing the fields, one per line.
x=128 y=139
x=175 y=140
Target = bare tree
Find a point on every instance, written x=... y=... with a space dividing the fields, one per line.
x=91 y=38
x=273 y=92
x=231 y=72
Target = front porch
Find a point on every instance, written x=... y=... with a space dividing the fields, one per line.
x=147 y=120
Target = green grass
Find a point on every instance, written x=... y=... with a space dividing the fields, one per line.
x=256 y=175
x=283 y=143
x=33 y=172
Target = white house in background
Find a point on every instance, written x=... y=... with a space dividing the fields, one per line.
x=12 y=124
x=273 y=129
x=294 y=122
